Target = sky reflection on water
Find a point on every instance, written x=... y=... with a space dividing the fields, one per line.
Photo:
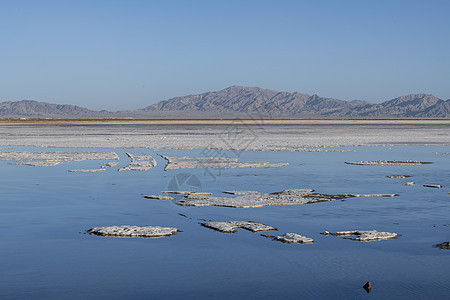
x=45 y=212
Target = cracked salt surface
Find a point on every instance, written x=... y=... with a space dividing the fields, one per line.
x=46 y=159
x=242 y=192
x=88 y=170
x=139 y=163
x=291 y=238
x=231 y=226
x=269 y=137
x=286 y=197
x=133 y=231
x=388 y=163
x=185 y=162
x=364 y=235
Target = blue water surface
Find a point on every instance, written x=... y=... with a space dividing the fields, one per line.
x=45 y=212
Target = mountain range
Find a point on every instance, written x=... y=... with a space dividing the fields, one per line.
x=245 y=102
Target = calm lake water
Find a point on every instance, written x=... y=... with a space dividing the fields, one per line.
x=46 y=211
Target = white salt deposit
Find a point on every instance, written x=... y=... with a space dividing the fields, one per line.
x=307 y=137
x=436 y=186
x=184 y=162
x=88 y=170
x=158 y=197
x=388 y=163
x=133 y=231
x=139 y=163
x=365 y=235
x=293 y=238
x=242 y=192
x=45 y=159
x=286 y=197
x=231 y=226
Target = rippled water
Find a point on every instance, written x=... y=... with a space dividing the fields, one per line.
x=45 y=212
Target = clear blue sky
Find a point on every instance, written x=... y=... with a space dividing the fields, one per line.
x=129 y=54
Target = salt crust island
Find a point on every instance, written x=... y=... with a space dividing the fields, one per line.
x=133 y=231
x=444 y=245
x=290 y=238
x=158 y=197
x=250 y=199
x=364 y=235
x=44 y=159
x=139 y=163
x=436 y=186
x=231 y=226
x=388 y=163
x=185 y=162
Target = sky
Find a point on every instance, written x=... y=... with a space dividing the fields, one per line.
x=129 y=54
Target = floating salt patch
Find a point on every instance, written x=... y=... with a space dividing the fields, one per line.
x=409 y=183
x=158 y=197
x=37 y=163
x=200 y=193
x=45 y=159
x=242 y=192
x=111 y=164
x=287 y=197
x=133 y=231
x=388 y=163
x=365 y=235
x=436 y=186
x=192 y=196
x=176 y=192
x=139 y=163
x=88 y=170
x=231 y=226
x=184 y=162
x=293 y=238
x=398 y=176
x=444 y=245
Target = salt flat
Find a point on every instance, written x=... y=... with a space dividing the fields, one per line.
x=231 y=136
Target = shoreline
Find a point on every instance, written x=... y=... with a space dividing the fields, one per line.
x=249 y=121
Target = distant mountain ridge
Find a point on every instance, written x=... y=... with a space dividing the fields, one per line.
x=237 y=101
x=31 y=108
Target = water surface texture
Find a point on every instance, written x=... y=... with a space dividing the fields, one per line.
x=46 y=211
